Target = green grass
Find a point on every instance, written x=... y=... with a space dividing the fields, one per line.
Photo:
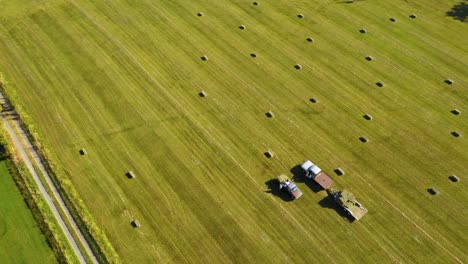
x=21 y=240
x=121 y=79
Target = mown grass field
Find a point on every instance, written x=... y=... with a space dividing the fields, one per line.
x=121 y=79
x=21 y=240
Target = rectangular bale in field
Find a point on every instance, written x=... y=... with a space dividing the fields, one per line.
x=130 y=175
x=135 y=224
x=433 y=191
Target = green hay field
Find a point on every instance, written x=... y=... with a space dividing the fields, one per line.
x=121 y=79
x=21 y=240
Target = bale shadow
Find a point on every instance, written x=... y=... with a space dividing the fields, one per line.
x=329 y=202
x=432 y=191
x=299 y=176
x=273 y=188
x=454 y=178
x=459 y=11
x=338 y=171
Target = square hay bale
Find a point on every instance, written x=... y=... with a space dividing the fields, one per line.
x=455 y=112
x=456 y=134
x=130 y=175
x=433 y=191
x=83 y=152
x=413 y=16
x=200 y=14
x=339 y=172
x=300 y=15
x=363 y=30
x=454 y=178
x=202 y=94
x=369 y=58
x=269 y=154
x=297 y=66
x=242 y=27
x=393 y=19
x=256 y=3
x=204 y=58
x=269 y=114
x=309 y=39
x=363 y=139
x=135 y=223
x=313 y=100
x=253 y=55
x=449 y=82
x=367 y=117
x=379 y=84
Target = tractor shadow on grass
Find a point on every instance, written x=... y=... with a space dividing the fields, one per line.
x=299 y=177
x=459 y=11
x=329 y=203
x=273 y=188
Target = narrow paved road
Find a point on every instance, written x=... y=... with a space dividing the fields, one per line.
x=23 y=146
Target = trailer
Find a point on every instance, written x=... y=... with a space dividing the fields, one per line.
x=313 y=172
x=349 y=203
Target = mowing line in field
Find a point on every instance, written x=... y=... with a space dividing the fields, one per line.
x=198 y=125
x=410 y=220
x=387 y=201
x=231 y=157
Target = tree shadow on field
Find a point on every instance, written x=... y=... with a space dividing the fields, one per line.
x=299 y=176
x=329 y=202
x=273 y=188
x=3 y=153
x=459 y=11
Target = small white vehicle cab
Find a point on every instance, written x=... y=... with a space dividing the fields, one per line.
x=310 y=169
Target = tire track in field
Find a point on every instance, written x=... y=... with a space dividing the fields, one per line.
x=135 y=69
x=198 y=125
x=292 y=123
x=241 y=80
x=386 y=200
x=210 y=135
x=244 y=83
x=285 y=50
x=410 y=220
x=176 y=66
